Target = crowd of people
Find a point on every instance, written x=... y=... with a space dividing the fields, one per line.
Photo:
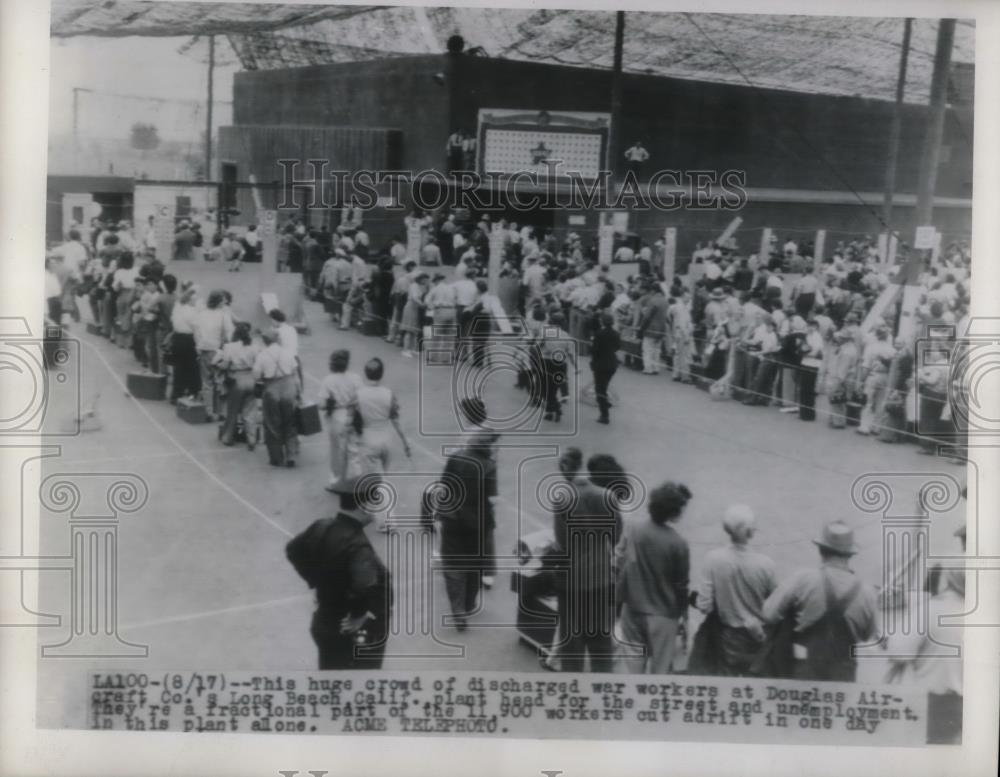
x=732 y=323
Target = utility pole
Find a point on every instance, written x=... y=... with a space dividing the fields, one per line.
x=208 y=127
x=895 y=131
x=935 y=123
x=616 y=97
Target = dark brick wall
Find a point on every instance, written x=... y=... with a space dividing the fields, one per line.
x=781 y=139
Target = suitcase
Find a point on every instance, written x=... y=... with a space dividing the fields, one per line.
x=371 y=326
x=307 y=419
x=191 y=410
x=93 y=329
x=146 y=385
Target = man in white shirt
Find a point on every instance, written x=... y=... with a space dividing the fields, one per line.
x=876 y=359
x=397 y=251
x=276 y=368
x=73 y=256
x=624 y=254
x=288 y=338
x=533 y=281
x=149 y=236
x=466 y=295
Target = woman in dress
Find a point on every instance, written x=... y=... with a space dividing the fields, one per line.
x=375 y=420
x=123 y=285
x=184 y=356
x=236 y=361
x=339 y=397
x=413 y=314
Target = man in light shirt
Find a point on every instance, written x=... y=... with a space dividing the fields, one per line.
x=533 y=281
x=875 y=362
x=624 y=254
x=74 y=257
x=735 y=583
x=277 y=370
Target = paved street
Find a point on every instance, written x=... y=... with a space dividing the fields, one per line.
x=203 y=579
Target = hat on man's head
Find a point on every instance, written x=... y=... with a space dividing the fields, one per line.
x=837 y=537
x=357 y=495
x=717 y=294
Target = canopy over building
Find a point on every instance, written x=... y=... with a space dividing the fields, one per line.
x=851 y=56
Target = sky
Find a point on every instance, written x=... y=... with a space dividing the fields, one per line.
x=141 y=66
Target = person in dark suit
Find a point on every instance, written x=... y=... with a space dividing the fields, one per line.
x=604 y=360
x=467 y=523
x=353 y=587
x=587 y=526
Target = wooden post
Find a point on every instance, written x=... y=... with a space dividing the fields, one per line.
x=208 y=122
x=935 y=123
x=764 y=254
x=614 y=130
x=496 y=257
x=895 y=130
x=268 y=228
x=882 y=246
x=413 y=241
x=669 y=253
x=605 y=244
x=819 y=248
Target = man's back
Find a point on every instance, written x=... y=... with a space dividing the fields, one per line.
x=335 y=557
x=803 y=598
x=587 y=528
x=735 y=583
x=184 y=244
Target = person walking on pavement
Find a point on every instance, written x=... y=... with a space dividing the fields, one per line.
x=587 y=526
x=353 y=587
x=653 y=565
x=339 y=396
x=376 y=418
x=604 y=361
x=467 y=520
x=829 y=611
x=735 y=583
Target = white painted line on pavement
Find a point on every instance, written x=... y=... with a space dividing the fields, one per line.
x=187 y=454
x=225 y=610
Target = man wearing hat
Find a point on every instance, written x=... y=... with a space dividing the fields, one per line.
x=353 y=587
x=830 y=609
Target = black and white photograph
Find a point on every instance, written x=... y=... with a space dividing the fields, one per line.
x=467 y=373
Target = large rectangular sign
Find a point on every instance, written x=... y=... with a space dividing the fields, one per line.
x=513 y=141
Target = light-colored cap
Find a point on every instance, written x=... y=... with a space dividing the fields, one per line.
x=739 y=521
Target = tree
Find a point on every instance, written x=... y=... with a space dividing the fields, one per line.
x=144 y=136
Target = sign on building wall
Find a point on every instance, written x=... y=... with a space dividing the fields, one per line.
x=513 y=141
x=163 y=229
